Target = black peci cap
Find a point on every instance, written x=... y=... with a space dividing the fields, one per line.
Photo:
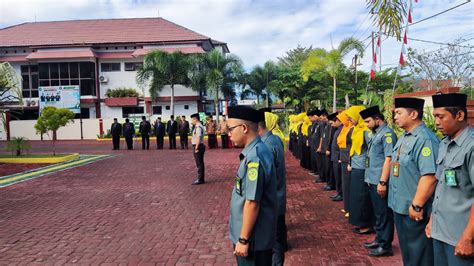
x=265 y=109
x=245 y=113
x=333 y=116
x=196 y=115
x=323 y=112
x=449 y=100
x=371 y=111
x=413 y=103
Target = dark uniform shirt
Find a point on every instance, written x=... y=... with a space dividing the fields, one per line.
x=453 y=200
x=344 y=153
x=256 y=181
x=334 y=147
x=380 y=146
x=418 y=151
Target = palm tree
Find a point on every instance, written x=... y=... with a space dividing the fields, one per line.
x=219 y=72
x=162 y=68
x=388 y=15
x=330 y=61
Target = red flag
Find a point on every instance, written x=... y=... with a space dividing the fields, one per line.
x=405 y=39
x=375 y=58
x=372 y=74
x=402 y=59
x=409 y=17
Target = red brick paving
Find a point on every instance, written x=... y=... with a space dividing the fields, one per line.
x=139 y=207
x=13 y=168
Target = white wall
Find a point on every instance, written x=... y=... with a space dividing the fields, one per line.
x=25 y=128
x=120 y=78
x=178 y=109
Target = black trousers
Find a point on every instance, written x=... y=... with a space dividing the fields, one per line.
x=314 y=165
x=116 y=142
x=256 y=258
x=172 y=140
x=199 y=158
x=145 y=142
x=225 y=141
x=129 y=141
x=444 y=255
x=346 y=185
x=416 y=248
x=183 y=139
x=384 y=224
x=319 y=166
x=212 y=141
x=281 y=243
x=360 y=206
x=328 y=171
x=336 y=169
x=159 y=142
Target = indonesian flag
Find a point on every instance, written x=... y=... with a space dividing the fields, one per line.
x=409 y=17
x=372 y=71
x=402 y=60
x=405 y=39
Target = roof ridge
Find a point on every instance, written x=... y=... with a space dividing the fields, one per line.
x=184 y=27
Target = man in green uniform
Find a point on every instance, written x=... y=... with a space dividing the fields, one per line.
x=452 y=220
x=413 y=181
x=275 y=145
x=253 y=206
x=378 y=160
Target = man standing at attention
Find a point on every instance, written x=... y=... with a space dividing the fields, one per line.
x=172 y=129
x=253 y=207
x=452 y=221
x=183 y=130
x=198 y=147
x=116 y=131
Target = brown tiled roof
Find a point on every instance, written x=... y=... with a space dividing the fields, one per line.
x=99 y=31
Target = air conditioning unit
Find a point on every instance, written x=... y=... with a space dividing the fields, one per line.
x=33 y=103
x=103 y=79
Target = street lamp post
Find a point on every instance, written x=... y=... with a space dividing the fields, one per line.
x=355 y=62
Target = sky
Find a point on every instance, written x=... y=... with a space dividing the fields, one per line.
x=261 y=30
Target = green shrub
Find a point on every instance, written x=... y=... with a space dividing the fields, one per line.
x=121 y=92
x=18 y=145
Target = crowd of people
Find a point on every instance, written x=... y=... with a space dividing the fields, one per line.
x=412 y=182
x=172 y=129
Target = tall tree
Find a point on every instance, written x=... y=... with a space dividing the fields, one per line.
x=162 y=68
x=330 y=61
x=10 y=90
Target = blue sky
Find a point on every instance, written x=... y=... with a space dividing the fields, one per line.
x=258 y=31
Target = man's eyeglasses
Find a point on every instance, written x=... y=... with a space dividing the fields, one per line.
x=230 y=129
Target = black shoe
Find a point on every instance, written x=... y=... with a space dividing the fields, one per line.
x=198 y=182
x=381 y=252
x=358 y=231
x=328 y=188
x=335 y=196
x=338 y=198
x=371 y=245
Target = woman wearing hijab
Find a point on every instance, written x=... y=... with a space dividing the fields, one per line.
x=271 y=120
x=360 y=206
x=306 y=159
x=344 y=143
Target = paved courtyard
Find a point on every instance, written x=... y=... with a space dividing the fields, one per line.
x=138 y=207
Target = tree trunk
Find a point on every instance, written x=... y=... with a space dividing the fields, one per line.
x=267 y=102
x=258 y=99
x=334 y=95
x=172 y=100
x=216 y=107
x=54 y=142
x=18 y=152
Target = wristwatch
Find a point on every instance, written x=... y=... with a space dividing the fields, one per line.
x=383 y=183
x=417 y=208
x=243 y=241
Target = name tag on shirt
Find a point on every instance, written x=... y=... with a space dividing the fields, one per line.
x=238 y=186
x=367 y=162
x=395 y=169
x=450 y=177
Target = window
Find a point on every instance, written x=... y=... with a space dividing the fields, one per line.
x=132 y=110
x=167 y=107
x=157 y=110
x=85 y=112
x=63 y=74
x=110 y=67
x=29 y=76
x=186 y=107
x=133 y=66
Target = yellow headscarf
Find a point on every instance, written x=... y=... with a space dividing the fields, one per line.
x=306 y=125
x=292 y=125
x=271 y=121
x=359 y=129
x=342 y=137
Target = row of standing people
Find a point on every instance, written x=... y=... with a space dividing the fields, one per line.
x=413 y=183
x=171 y=128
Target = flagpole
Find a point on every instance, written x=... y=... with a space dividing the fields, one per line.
x=401 y=61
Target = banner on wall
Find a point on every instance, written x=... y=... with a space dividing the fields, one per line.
x=68 y=97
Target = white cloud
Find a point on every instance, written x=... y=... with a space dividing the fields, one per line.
x=259 y=30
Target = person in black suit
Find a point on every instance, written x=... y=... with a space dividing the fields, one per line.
x=116 y=131
x=128 y=132
x=144 y=130
x=160 y=132
x=172 y=129
x=183 y=130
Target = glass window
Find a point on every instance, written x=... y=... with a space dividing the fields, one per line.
x=186 y=107
x=24 y=69
x=64 y=70
x=44 y=83
x=132 y=110
x=34 y=81
x=43 y=71
x=74 y=82
x=34 y=69
x=110 y=67
x=87 y=87
x=134 y=66
x=55 y=82
x=54 y=71
x=167 y=107
x=34 y=93
x=26 y=82
x=157 y=110
x=86 y=70
x=25 y=93
x=74 y=70
x=64 y=82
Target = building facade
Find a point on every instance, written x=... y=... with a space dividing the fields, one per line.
x=101 y=55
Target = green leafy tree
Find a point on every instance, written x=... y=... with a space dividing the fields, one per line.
x=10 y=90
x=18 y=145
x=50 y=120
x=162 y=68
x=330 y=61
x=389 y=15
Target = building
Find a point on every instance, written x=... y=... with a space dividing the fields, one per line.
x=99 y=55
